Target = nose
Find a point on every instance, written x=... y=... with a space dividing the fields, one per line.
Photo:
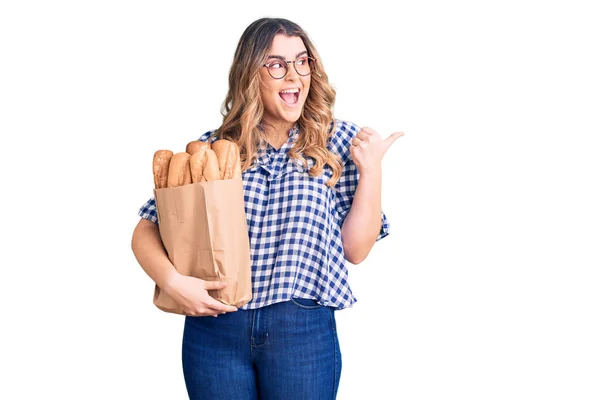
x=291 y=72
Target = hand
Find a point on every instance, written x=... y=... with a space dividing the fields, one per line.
x=192 y=296
x=367 y=149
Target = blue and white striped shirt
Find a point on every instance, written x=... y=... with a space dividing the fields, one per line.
x=294 y=223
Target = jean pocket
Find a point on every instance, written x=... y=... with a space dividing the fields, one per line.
x=307 y=304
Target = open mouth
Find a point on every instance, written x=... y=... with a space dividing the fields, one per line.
x=290 y=96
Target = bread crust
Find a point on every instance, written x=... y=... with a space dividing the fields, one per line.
x=228 y=156
x=201 y=162
x=160 y=168
x=204 y=165
x=195 y=146
x=179 y=170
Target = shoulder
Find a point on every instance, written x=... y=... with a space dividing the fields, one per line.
x=345 y=130
x=209 y=136
x=341 y=137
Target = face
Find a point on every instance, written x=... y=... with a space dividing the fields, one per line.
x=283 y=99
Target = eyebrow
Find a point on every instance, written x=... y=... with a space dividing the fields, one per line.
x=282 y=58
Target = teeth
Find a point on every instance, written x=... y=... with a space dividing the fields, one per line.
x=296 y=90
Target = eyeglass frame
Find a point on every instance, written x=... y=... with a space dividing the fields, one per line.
x=287 y=68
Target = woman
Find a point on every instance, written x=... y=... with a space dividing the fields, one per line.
x=307 y=213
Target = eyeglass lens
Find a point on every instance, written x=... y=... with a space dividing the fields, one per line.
x=278 y=69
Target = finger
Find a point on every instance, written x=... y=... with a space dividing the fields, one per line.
x=214 y=285
x=200 y=312
x=362 y=135
x=392 y=138
x=369 y=131
x=219 y=307
x=214 y=311
x=355 y=141
x=209 y=311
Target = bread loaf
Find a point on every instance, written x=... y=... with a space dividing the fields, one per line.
x=160 y=167
x=195 y=146
x=228 y=155
x=179 y=170
x=204 y=165
x=200 y=162
x=237 y=168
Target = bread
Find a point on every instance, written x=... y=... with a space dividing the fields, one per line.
x=200 y=162
x=204 y=165
x=228 y=155
x=237 y=168
x=195 y=146
x=160 y=167
x=179 y=170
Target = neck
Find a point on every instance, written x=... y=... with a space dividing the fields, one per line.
x=277 y=129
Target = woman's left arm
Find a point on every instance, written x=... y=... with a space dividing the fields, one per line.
x=363 y=222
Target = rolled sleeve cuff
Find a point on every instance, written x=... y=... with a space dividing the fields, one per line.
x=148 y=211
x=385 y=227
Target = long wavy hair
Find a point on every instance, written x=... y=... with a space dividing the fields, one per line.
x=243 y=108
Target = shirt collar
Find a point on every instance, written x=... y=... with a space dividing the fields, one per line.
x=262 y=156
x=292 y=132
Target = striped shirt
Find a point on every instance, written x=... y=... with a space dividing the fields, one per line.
x=294 y=223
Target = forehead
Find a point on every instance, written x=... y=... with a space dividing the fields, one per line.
x=286 y=46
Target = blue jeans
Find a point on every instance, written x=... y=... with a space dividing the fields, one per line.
x=287 y=350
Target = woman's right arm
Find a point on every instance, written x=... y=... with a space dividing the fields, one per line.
x=189 y=292
x=149 y=251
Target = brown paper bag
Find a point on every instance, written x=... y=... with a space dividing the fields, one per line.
x=203 y=228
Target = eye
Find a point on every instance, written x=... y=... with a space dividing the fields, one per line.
x=276 y=65
x=302 y=61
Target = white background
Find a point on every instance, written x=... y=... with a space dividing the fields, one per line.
x=486 y=288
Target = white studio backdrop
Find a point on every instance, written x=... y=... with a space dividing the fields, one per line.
x=486 y=288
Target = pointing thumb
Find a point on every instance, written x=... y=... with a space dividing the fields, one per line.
x=392 y=138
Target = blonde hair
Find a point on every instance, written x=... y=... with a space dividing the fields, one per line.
x=243 y=109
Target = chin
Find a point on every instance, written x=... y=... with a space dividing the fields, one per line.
x=291 y=116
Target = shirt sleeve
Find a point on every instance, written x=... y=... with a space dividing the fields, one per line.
x=346 y=186
x=148 y=210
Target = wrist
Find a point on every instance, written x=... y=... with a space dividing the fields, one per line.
x=171 y=280
x=371 y=172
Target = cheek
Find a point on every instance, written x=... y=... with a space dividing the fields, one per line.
x=266 y=95
x=267 y=90
x=267 y=99
x=306 y=90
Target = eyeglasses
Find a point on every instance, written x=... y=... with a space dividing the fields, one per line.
x=278 y=69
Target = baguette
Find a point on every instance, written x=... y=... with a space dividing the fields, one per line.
x=237 y=168
x=195 y=146
x=179 y=170
x=204 y=165
x=160 y=167
x=228 y=155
